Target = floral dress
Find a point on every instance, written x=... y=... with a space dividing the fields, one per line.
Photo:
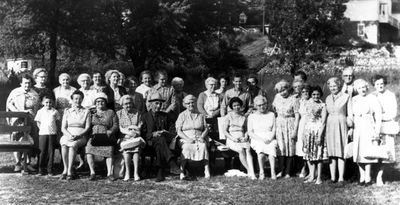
x=285 y=108
x=314 y=148
x=101 y=122
x=127 y=119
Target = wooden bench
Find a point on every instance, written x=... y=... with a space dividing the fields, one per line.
x=12 y=145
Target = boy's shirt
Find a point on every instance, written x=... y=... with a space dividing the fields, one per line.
x=47 y=119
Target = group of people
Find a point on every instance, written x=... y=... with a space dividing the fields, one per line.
x=127 y=115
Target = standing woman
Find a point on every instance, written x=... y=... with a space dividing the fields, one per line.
x=235 y=129
x=339 y=108
x=138 y=100
x=287 y=122
x=129 y=125
x=389 y=128
x=314 y=140
x=104 y=122
x=367 y=126
x=98 y=85
x=209 y=102
x=40 y=76
x=23 y=99
x=84 y=81
x=261 y=129
x=114 y=89
x=223 y=84
x=63 y=92
x=75 y=126
x=146 y=79
x=304 y=97
x=191 y=128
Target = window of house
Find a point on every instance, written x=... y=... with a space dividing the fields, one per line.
x=383 y=9
x=361 y=29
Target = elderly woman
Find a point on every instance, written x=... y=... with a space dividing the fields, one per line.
x=223 y=84
x=236 y=139
x=84 y=81
x=131 y=142
x=261 y=127
x=40 y=75
x=104 y=128
x=314 y=145
x=191 y=128
x=177 y=83
x=209 y=102
x=63 y=92
x=23 y=99
x=167 y=93
x=138 y=99
x=75 y=126
x=339 y=108
x=114 y=90
x=287 y=122
x=97 y=82
x=390 y=127
x=304 y=97
x=146 y=80
x=367 y=113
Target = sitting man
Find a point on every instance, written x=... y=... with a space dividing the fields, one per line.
x=156 y=130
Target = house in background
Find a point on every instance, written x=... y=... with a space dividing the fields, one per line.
x=372 y=21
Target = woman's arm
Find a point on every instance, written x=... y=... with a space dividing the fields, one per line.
x=226 y=130
x=115 y=124
x=179 y=125
x=87 y=124
x=200 y=103
x=64 y=125
x=324 y=115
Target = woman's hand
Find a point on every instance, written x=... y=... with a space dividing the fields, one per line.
x=293 y=136
x=108 y=132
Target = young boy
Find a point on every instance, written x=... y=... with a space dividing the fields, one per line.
x=48 y=120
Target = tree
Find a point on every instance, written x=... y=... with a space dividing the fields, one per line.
x=302 y=29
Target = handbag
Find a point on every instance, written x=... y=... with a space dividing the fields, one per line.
x=348 y=150
x=377 y=152
x=132 y=143
x=103 y=140
x=390 y=127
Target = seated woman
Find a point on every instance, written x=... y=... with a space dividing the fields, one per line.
x=104 y=124
x=131 y=142
x=261 y=128
x=75 y=125
x=235 y=132
x=191 y=128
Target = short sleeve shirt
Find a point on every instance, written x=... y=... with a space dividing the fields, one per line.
x=47 y=119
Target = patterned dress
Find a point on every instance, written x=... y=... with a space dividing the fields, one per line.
x=263 y=125
x=365 y=111
x=302 y=124
x=339 y=109
x=314 y=148
x=192 y=125
x=75 y=119
x=285 y=108
x=101 y=122
x=127 y=119
x=237 y=128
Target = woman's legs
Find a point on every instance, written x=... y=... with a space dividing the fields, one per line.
x=272 y=165
x=341 y=166
x=332 y=167
x=303 y=171
x=127 y=161
x=242 y=158
x=71 y=158
x=311 y=166
x=206 y=169
x=379 y=180
x=367 y=175
x=361 y=168
x=90 y=161
x=136 y=166
x=260 y=158
x=319 y=172
x=289 y=165
x=249 y=159
x=109 y=163
x=64 y=155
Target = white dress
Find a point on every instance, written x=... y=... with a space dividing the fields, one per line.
x=365 y=109
x=262 y=125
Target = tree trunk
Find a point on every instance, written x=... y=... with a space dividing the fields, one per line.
x=53 y=49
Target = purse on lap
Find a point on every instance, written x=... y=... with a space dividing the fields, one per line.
x=103 y=140
x=132 y=143
x=390 y=127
